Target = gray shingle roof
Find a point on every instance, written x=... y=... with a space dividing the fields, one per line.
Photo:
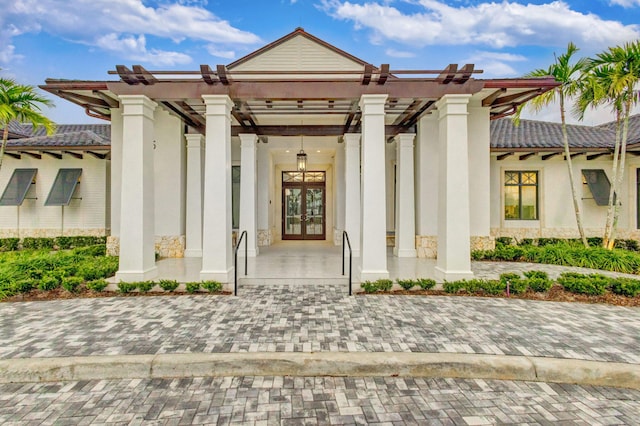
x=634 y=129
x=540 y=135
x=67 y=135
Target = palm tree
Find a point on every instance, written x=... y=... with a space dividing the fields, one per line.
x=569 y=76
x=21 y=103
x=613 y=76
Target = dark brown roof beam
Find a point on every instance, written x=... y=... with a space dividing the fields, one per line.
x=517 y=97
x=207 y=74
x=448 y=74
x=83 y=100
x=392 y=103
x=577 y=154
x=368 y=72
x=126 y=75
x=466 y=72
x=223 y=74
x=13 y=155
x=332 y=103
x=428 y=106
x=53 y=154
x=32 y=154
x=408 y=113
x=269 y=103
x=113 y=103
x=492 y=97
x=75 y=155
x=307 y=130
x=549 y=156
x=350 y=116
x=384 y=74
x=598 y=155
x=248 y=115
x=525 y=156
x=185 y=117
x=144 y=76
x=192 y=113
x=503 y=156
x=98 y=155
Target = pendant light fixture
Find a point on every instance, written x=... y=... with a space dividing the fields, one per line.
x=302 y=156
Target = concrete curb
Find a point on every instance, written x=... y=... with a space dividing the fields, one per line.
x=355 y=364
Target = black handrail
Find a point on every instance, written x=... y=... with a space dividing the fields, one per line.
x=345 y=236
x=235 y=262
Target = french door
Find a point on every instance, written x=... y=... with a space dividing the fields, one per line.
x=303 y=206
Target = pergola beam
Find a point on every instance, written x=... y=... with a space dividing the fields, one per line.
x=308 y=130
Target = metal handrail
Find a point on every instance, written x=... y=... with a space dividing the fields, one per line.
x=235 y=262
x=345 y=236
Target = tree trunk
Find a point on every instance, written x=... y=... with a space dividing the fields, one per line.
x=567 y=154
x=612 y=190
x=623 y=155
x=5 y=138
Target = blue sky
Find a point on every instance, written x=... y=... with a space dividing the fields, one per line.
x=83 y=39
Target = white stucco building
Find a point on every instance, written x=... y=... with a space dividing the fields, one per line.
x=420 y=161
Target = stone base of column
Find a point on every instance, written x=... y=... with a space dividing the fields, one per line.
x=193 y=253
x=404 y=252
x=220 y=276
x=133 y=276
x=443 y=275
x=367 y=275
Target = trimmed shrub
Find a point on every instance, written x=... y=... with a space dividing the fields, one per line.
x=49 y=282
x=625 y=286
x=71 y=284
x=406 y=284
x=595 y=241
x=536 y=274
x=369 y=286
x=92 y=250
x=453 y=287
x=526 y=242
x=593 y=284
x=384 y=284
x=539 y=285
x=24 y=286
x=426 y=283
x=514 y=282
x=9 y=244
x=126 y=287
x=97 y=285
x=211 y=286
x=491 y=286
x=168 y=285
x=548 y=241
x=38 y=243
x=505 y=241
x=192 y=287
x=145 y=286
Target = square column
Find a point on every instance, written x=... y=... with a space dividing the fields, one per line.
x=352 y=190
x=373 y=234
x=454 y=262
x=405 y=197
x=248 y=193
x=339 y=175
x=137 y=222
x=479 y=176
x=217 y=252
x=264 y=184
x=195 y=146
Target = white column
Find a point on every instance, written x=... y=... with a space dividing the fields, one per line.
x=373 y=233
x=248 y=192
x=454 y=261
x=405 y=197
x=263 y=208
x=116 y=170
x=137 y=248
x=479 y=173
x=352 y=190
x=427 y=176
x=195 y=145
x=339 y=197
x=217 y=253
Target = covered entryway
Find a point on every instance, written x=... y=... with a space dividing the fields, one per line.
x=303 y=206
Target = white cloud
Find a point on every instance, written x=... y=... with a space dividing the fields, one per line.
x=88 y=21
x=626 y=3
x=495 y=24
x=135 y=48
x=215 y=51
x=399 y=53
x=494 y=64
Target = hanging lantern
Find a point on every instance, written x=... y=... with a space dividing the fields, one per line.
x=302 y=157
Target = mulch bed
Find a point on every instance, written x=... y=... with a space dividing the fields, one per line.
x=556 y=294
x=59 y=293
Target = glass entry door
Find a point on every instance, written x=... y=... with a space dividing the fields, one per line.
x=303 y=205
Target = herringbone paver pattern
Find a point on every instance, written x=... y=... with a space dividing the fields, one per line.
x=315 y=400
x=318 y=318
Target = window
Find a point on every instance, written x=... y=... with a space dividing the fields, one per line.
x=521 y=195
x=63 y=187
x=235 y=196
x=599 y=185
x=18 y=186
